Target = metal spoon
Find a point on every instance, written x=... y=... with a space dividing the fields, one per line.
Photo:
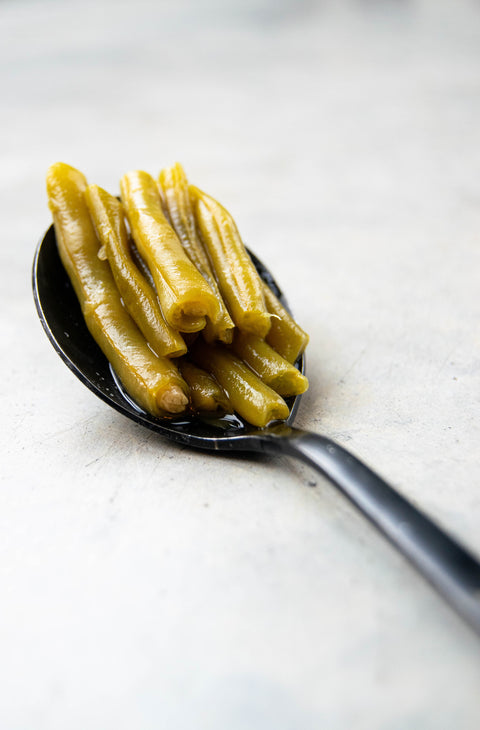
x=449 y=567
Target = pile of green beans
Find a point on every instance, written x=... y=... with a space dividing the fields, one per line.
x=170 y=294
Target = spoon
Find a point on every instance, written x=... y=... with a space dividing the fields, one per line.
x=449 y=567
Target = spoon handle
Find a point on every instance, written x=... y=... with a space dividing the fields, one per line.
x=450 y=568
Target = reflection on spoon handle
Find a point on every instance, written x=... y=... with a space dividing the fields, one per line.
x=449 y=567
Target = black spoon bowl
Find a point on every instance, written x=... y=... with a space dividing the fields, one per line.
x=448 y=566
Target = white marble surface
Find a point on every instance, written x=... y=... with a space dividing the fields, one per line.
x=146 y=586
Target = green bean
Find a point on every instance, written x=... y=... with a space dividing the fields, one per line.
x=184 y=295
x=176 y=201
x=270 y=367
x=205 y=392
x=285 y=335
x=237 y=277
x=138 y=296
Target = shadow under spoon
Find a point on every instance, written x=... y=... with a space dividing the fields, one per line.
x=449 y=567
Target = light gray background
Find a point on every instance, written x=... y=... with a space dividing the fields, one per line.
x=146 y=586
